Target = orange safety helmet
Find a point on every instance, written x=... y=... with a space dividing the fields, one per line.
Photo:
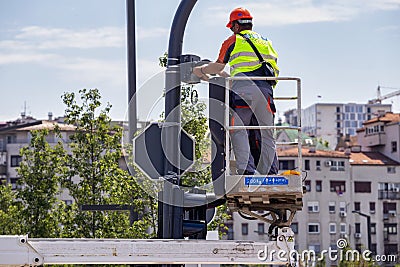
x=238 y=13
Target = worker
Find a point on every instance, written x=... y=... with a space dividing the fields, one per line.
x=253 y=99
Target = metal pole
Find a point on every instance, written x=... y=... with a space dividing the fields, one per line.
x=131 y=38
x=171 y=227
x=368 y=227
x=369 y=231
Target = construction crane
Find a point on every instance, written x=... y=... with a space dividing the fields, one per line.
x=379 y=97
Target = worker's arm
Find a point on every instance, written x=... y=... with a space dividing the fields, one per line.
x=211 y=68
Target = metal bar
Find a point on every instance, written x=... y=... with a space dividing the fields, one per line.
x=227 y=124
x=105 y=207
x=286 y=143
x=286 y=98
x=259 y=78
x=262 y=127
x=300 y=159
x=21 y=251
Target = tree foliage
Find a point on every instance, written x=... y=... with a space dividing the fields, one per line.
x=86 y=166
x=9 y=211
x=94 y=176
x=40 y=173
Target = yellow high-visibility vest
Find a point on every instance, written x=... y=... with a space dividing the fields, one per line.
x=244 y=59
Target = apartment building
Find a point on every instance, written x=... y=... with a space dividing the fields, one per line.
x=16 y=135
x=340 y=185
x=381 y=134
x=330 y=121
x=337 y=184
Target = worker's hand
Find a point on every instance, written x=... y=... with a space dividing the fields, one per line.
x=223 y=74
x=198 y=71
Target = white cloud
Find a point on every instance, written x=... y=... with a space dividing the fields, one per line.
x=145 y=33
x=35 y=37
x=43 y=38
x=94 y=71
x=12 y=58
x=277 y=12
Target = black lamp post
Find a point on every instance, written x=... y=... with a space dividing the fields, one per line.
x=368 y=226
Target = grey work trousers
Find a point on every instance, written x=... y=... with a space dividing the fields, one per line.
x=257 y=102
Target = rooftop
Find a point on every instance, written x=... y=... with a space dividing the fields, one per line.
x=388 y=117
x=371 y=158
x=310 y=152
x=49 y=125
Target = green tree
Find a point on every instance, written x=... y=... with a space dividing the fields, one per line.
x=9 y=211
x=94 y=175
x=39 y=185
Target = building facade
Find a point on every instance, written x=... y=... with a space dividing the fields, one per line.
x=339 y=186
x=330 y=121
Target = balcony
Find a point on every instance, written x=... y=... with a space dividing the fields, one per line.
x=375 y=139
x=382 y=194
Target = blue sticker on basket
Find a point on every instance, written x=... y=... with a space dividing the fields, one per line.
x=270 y=180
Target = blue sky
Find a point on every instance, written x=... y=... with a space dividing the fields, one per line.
x=342 y=49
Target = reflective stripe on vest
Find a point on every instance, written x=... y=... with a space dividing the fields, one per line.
x=244 y=59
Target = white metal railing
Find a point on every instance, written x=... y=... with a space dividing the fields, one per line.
x=228 y=127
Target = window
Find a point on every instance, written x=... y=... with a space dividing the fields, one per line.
x=332 y=207
x=295 y=227
x=372 y=207
x=373 y=248
x=337 y=165
x=313 y=206
x=343 y=228
x=68 y=202
x=390 y=228
x=307 y=164
x=10 y=139
x=15 y=160
x=15 y=183
x=332 y=228
x=389 y=207
x=390 y=249
x=373 y=228
x=318 y=165
x=394 y=146
x=316 y=248
x=260 y=228
x=338 y=186
x=230 y=231
x=307 y=184
x=358 y=228
x=357 y=206
x=391 y=169
x=313 y=228
x=245 y=229
x=362 y=187
x=342 y=206
x=286 y=165
x=318 y=186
